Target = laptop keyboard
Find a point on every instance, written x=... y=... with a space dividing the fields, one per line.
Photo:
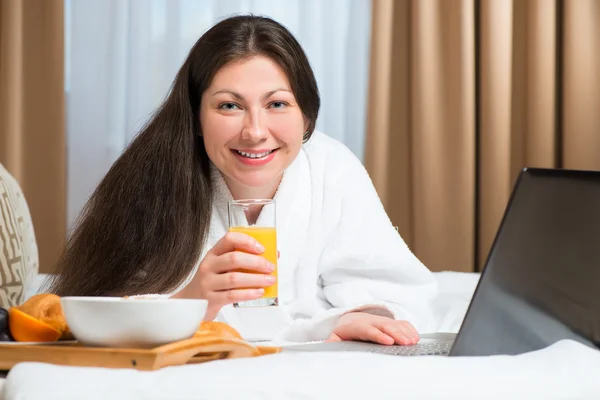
x=423 y=349
x=430 y=345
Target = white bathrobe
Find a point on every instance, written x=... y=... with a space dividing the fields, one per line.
x=339 y=251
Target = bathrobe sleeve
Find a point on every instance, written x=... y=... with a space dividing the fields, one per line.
x=365 y=265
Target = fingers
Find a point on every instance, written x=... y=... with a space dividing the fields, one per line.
x=211 y=311
x=401 y=331
x=409 y=329
x=236 y=241
x=236 y=295
x=369 y=333
x=237 y=260
x=334 y=338
x=234 y=270
x=237 y=280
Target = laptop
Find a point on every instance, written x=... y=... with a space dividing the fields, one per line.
x=541 y=281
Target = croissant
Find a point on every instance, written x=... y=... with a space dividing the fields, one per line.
x=226 y=331
x=217 y=329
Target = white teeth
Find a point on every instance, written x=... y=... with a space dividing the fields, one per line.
x=254 y=155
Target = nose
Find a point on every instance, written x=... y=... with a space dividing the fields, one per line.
x=254 y=127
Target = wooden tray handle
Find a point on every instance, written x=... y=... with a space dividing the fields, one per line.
x=194 y=350
x=201 y=349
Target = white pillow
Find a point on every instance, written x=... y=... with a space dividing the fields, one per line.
x=37 y=286
x=18 y=248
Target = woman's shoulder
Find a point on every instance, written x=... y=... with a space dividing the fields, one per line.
x=330 y=153
x=335 y=168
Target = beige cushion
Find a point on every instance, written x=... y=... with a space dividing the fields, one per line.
x=18 y=249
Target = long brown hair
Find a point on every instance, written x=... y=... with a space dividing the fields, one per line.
x=145 y=225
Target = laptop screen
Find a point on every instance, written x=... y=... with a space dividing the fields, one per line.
x=541 y=281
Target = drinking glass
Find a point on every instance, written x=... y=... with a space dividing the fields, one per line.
x=256 y=218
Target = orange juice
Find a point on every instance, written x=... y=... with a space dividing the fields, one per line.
x=268 y=238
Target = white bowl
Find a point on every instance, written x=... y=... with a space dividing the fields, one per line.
x=132 y=322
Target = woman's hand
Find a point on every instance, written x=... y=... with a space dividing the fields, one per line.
x=374 y=328
x=232 y=271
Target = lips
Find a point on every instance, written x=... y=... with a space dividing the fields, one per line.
x=254 y=154
x=257 y=157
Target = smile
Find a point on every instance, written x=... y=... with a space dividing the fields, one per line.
x=257 y=158
x=254 y=155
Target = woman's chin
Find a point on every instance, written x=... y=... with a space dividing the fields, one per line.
x=258 y=179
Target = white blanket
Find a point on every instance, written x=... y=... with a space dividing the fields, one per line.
x=565 y=370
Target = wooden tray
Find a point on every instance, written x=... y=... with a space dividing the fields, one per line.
x=188 y=351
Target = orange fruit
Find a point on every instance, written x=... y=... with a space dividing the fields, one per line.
x=25 y=328
x=46 y=308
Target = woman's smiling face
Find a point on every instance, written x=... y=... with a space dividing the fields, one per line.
x=251 y=123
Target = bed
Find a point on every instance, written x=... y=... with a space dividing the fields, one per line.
x=565 y=370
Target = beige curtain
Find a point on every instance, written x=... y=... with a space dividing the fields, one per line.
x=32 y=138
x=465 y=93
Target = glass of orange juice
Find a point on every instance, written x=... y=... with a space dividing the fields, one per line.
x=256 y=218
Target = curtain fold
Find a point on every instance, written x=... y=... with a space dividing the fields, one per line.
x=32 y=138
x=581 y=85
x=517 y=98
x=389 y=106
x=442 y=131
x=476 y=91
x=420 y=134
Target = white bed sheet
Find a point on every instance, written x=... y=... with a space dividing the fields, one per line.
x=566 y=370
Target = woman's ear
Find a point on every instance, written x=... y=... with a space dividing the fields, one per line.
x=305 y=134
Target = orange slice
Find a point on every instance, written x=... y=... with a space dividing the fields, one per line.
x=46 y=308
x=24 y=328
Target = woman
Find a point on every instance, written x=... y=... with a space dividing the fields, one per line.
x=157 y=223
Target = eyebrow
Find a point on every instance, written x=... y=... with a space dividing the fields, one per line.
x=240 y=97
